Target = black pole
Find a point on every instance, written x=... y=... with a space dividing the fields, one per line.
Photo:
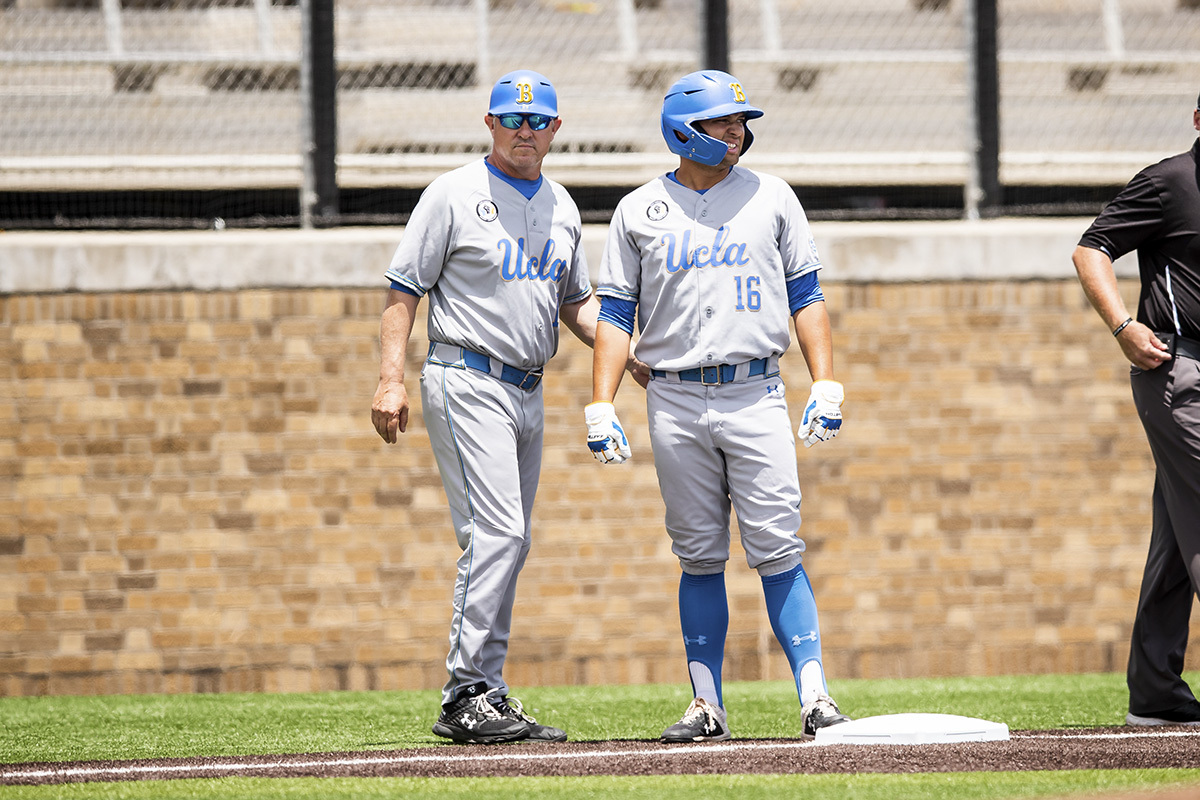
x=716 y=35
x=324 y=113
x=987 y=108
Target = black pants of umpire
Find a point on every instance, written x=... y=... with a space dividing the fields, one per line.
x=1168 y=402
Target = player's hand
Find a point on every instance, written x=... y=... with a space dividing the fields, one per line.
x=606 y=438
x=389 y=410
x=823 y=413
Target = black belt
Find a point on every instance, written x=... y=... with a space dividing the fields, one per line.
x=521 y=378
x=1188 y=348
x=1179 y=346
x=715 y=375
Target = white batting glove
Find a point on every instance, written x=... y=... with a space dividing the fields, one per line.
x=606 y=438
x=823 y=414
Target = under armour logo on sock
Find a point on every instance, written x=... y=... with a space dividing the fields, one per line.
x=797 y=640
x=700 y=640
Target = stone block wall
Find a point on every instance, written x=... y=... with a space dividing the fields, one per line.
x=192 y=498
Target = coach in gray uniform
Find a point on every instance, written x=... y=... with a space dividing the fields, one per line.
x=496 y=247
x=1158 y=214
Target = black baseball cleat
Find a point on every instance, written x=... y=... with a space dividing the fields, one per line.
x=472 y=719
x=702 y=722
x=1186 y=714
x=820 y=713
x=511 y=708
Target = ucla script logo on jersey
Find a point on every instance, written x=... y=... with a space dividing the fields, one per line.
x=680 y=254
x=515 y=266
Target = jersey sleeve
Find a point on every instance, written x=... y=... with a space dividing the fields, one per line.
x=621 y=263
x=796 y=243
x=424 y=246
x=579 y=280
x=1132 y=218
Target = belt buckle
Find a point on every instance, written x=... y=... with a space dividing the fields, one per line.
x=716 y=375
x=536 y=375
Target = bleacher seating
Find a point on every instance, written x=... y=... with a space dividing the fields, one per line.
x=166 y=78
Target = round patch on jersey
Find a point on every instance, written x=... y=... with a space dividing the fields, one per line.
x=657 y=210
x=487 y=210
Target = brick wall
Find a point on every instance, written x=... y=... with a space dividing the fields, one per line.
x=192 y=498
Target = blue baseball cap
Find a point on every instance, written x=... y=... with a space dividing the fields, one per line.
x=524 y=92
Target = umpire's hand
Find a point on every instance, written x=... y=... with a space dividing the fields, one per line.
x=606 y=438
x=1142 y=347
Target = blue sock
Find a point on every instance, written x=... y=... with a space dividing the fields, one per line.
x=704 y=618
x=792 y=610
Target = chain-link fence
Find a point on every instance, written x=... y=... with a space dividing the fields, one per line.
x=172 y=96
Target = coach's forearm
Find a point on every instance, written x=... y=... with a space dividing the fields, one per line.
x=394 y=331
x=815 y=335
x=580 y=319
x=608 y=361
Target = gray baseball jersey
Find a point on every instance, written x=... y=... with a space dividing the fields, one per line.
x=496 y=269
x=708 y=271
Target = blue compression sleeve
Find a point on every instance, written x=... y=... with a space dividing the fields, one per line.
x=803 y=291
x=400 y=287
x=618 y=312
x=704 y=618
x=792 y=610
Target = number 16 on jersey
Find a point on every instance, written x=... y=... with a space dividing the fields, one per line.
x=748 y=295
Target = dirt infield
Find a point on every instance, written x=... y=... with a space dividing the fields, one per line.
x=1097 y=748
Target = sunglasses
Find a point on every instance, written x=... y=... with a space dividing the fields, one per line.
x=537 y=122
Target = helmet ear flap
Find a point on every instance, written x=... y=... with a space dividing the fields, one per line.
x=749 y=140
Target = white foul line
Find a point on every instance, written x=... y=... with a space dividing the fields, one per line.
x=263 y=766
x=239 y=766
x=1130 y=735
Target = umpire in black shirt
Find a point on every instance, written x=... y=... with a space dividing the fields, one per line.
x=1158 y=214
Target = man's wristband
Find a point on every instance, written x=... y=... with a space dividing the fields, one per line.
x=1122 y=326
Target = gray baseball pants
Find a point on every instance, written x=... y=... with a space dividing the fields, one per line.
x=487 y=439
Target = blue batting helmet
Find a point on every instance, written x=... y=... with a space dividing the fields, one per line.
x=524 y=92
x=707 y=94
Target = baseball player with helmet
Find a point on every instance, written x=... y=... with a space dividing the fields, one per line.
x=712 y=260
x=495 y=246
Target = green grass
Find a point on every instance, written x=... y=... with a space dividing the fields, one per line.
x=938 y=786
x=164 y=726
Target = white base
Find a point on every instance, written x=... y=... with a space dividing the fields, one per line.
x=913 y=729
